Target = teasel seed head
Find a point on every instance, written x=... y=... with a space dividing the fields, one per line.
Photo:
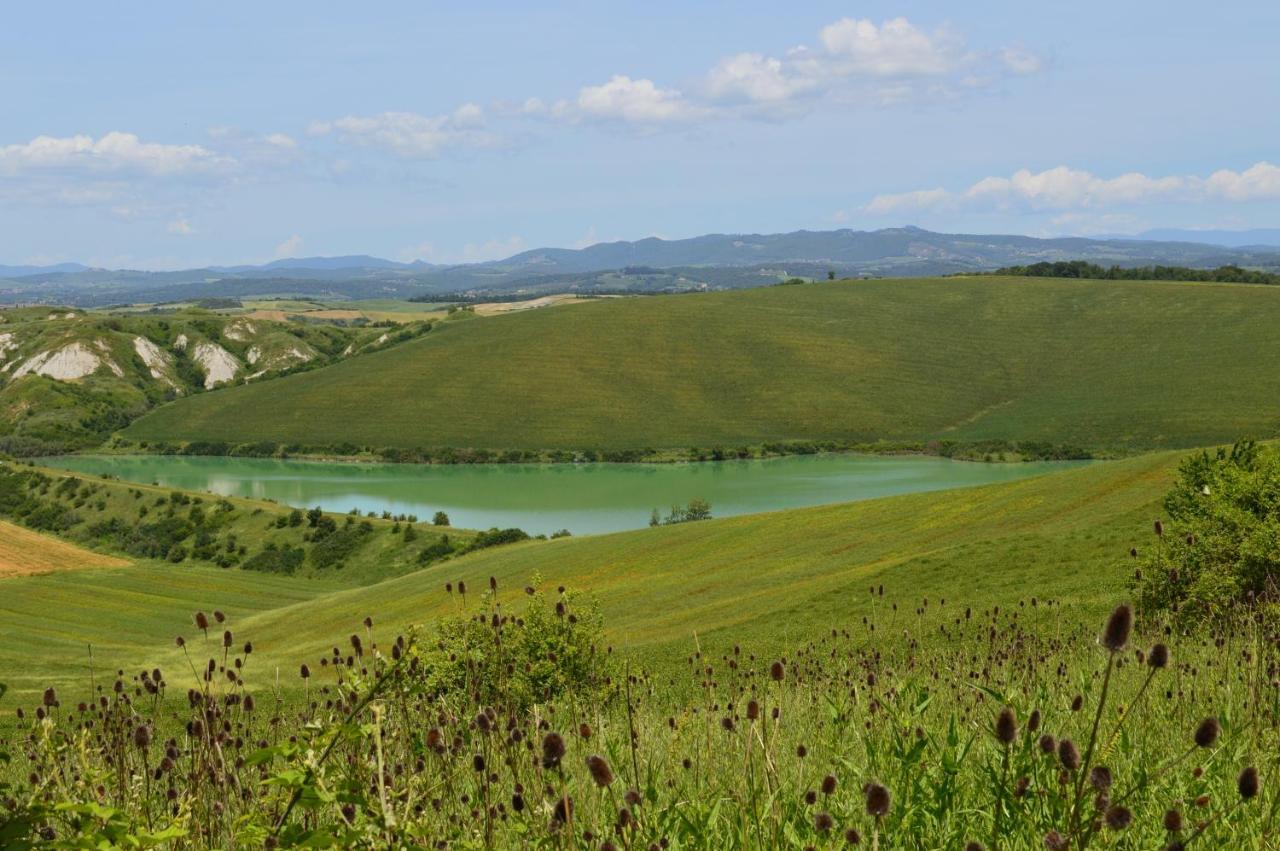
x=1100 y=778
x=829 y=785
x=878 y=800
x=1158 y=657
x=601 y=773
x=823 y=822
x=1247 y=783
x=1118 y=817
x=1172 y=821
x=1069 y=755
x=552 y=750
x=1207 y=732
x=1119 y=625
x=1006 y=726
x=777 y=672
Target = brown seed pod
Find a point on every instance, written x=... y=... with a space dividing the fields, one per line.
x=878 y=800
x=1247 y=783
x=1006 y=726
x=1207 y=732
x=1119 y=625
x=601 y=773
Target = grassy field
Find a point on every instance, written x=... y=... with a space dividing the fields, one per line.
x=781 y=577
x=24 y=553
x=1106 y=365
x=915 y=716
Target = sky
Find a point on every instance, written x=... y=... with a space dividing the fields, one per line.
x=148 y=135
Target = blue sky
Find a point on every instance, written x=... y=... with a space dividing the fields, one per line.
x=170 y=135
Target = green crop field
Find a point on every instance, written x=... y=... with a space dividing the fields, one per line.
x=1111 y=366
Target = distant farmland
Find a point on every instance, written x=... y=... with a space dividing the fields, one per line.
x=1119 y=366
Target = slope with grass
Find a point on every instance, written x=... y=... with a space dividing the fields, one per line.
x=25 y=553
x=68 y=378
x=779 y=578
x=1119 y=366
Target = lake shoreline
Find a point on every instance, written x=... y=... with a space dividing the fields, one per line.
x=991 y=451
x=542 y=498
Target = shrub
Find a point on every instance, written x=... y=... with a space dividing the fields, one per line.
x=275 y=559
x=497 y=537
x=1219 y=554
x=553 y=649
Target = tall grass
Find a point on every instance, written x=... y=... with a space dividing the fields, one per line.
x=923 y=725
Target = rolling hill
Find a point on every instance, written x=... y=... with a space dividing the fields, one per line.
x=777 y=578
x=1114 y=366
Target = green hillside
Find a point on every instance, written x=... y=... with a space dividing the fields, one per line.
x=780 y=577
x=1118 y=366
x=69 y=378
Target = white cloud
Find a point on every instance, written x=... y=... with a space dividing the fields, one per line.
x=281 y=140
x=756 y=77
x=411 y=135
x=859 y=61
x=112 y=152
x=636 y=101
x=895 y=48
x=1259 y=181
x=289 y=248
x=1064 y=188
x=180 y=226
x=1022 y=61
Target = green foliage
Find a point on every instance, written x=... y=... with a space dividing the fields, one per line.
x=275 y=559
x=554 y=647
x=1219 y=554
x=1092 y=271
x=440 y=519
x=697 y=509
x=337 y=546
x=498 y=537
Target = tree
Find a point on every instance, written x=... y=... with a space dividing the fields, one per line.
x=831 y=274
x=440 y=519
x=313 y=516
x=655 y=519
x=410 y=534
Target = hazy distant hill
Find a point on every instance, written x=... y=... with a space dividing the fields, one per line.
x=1230 y=238
x=713 y=261
x=19 y=271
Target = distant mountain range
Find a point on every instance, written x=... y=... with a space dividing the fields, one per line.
x=1230 y=238
x=714 y=261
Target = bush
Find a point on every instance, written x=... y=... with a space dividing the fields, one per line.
x=497 y=537
x=274 y=559
x=553 y=649
x=337 y=547
x=1219 y=555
